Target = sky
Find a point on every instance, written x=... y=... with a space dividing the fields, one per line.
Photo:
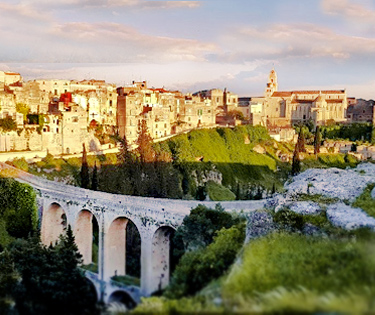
x=194 y=45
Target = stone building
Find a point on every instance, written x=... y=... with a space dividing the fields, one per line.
x=166 y=112
x=283 y=108
x=361 y=111
x=8 y=77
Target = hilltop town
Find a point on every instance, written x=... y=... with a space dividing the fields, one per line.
x=60 y=115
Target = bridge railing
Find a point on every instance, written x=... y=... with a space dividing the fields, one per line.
x=181 y=207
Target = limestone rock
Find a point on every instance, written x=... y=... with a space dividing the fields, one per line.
x=259 y=149
x=259 y=223
x=344 y=216
x=305 y=207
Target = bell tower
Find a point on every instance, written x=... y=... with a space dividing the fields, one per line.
x=272 y=85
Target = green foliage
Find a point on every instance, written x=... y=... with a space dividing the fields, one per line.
x=17 y=207
x=133 y=251
x=51 y=281
x=8 y=124
x=94 y=181
x=292 y=221
x=317 y=140
x=24 y=109
x=217 y=192
x=338 y=160
x=365 y=201
x=21 y=164
x=199 y=227
x=85 y=178
x=322 y=200
x=290 y=260
x=127 y=280
x=197 y=268
x=161 y=305
x=8 y=281
x=352 y=132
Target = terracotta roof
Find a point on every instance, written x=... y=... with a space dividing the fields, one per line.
x=333 y=101
x=290 y=93
x=320 y=92
x=281 y=94
x=11 y=73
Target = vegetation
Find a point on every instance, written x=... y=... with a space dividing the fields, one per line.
x=365 y=201
x=8 y=124
x=51 y=282
x=197 y=268
x=353 y=132
x=18 y=212
x=324 y=265
x=24 y=109
x=85 y=178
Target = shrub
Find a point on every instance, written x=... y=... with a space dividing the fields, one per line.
x=197 y=268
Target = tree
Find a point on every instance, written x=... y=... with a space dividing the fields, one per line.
x=301 y=140
x=144 y=141
x=125 y=156
x=85 y=178
x=317 y=140
x=236 y=114
x=8 y=124
x=296 y=163
x=8 y=281
x=23 y=109
x=51 y=281
x=373 y=135
x=94 y=182
x=199 y=227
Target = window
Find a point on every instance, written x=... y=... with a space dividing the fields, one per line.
x=165 y=125
x=110 y=103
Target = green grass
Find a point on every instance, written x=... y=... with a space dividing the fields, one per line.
x=293 y=261
x=93 y=267
x=127 y=280
x=365 y=201
x=217 y=192
x=320 y=199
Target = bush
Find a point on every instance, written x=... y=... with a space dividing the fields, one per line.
x=199 y=227
x=17 y=207
x=21 y=164
x=197 y=268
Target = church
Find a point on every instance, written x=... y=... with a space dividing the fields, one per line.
x=284 y=108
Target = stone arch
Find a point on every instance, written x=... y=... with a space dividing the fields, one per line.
x=54 y=223
x=85 y=225
x=161 y=257
x=115 y=247
x=122 y=297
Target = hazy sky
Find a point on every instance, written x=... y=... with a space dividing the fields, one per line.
x=192 y=45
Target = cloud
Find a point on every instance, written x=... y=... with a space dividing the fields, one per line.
x=138 y=4
x=280 y=41
x=104 y=42
x=348 y=9
x=21 y=11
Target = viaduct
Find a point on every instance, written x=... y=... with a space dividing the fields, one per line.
x=155 y=219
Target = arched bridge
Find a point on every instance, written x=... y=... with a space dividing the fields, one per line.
x=155 y=220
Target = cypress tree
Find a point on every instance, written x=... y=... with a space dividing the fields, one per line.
x=317 y=140
x=296 y=163
x=85 y=178
x=144 y=141
x=94 y=182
